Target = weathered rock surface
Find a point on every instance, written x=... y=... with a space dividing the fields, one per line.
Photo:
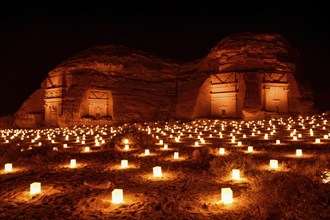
x=107 y=84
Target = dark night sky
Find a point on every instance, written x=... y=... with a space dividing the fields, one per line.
x=37 y=36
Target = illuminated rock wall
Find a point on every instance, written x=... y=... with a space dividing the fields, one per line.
x=244 y=76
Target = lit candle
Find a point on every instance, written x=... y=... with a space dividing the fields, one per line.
x=73 y=163
x=8 y=167
x=226 y=195
x=273 y=164
x=165 y=146
x=157 y=171
x=196 y=144
x=298 y=152
x=161 y=142
x=117 y=196
x=239 y=143
x=317 y=140
x=86 y=149
x=235 y=174
x=35 y=188
x=146 y=152
x=222 y=151
x=250 y=149
x=124 y=163
x=126 y=147
x=126 y=141
x=176 y=155
x=278 y=142
x=65 y=145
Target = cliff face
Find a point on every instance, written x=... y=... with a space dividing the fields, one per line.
x=107 y=84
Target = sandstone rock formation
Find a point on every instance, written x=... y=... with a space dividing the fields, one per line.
x=245 y=75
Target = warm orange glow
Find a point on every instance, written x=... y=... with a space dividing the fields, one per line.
x=278 y=142
x=299 y=152
x=86 y=149
x=176 y=155
x=250 y=149
x=222 y=151
x=126 y=141
x=317 y=140
x=126 y=147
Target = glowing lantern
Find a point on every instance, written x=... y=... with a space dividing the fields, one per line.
x=126 y=147
x=35 y=188
x=82 y=142
x=176 y=155
x=161 y=142
x=226 y=195
x=239 y=143
x=73 y=163
x=196 y=144
x=325 y=136
x=146 y=152
x=157 y=171
x=294 y=138
x=165 y=146
x=278 y=142
x=273 y=164
x=86 y=149
x=298 y=152
x=124 y=163
x=65 y=145
x=125 y=141
x=235 y=174
x=317 y=140
x=266 y=137
x=250 y=149
x=222 y=151
x=117 y=196
x=7 y=141
x=8 y=167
